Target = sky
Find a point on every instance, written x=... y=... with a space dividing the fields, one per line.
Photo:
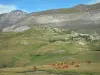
x=39 y=5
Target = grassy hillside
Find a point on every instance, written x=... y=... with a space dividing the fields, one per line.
x=45 y=45
x=76 y=9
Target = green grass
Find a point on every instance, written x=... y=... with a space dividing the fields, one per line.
x=89 y=55
x=85 y=69
x=39 y=46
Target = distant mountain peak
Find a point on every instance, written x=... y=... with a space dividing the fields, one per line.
x=81 y=6
x=13 y=17
x=19 y=12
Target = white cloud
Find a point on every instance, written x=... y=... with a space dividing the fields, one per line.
x=94 y=1
x=7 y=8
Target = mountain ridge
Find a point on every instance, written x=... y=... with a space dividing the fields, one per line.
x=8 y=19
x=77 y=16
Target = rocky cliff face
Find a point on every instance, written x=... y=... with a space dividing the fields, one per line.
x=78 y=17
x=8 y=19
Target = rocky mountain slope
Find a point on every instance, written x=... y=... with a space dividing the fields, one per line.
x=8 y=19
x=83 y=18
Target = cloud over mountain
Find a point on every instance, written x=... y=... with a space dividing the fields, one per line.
x=7 y=8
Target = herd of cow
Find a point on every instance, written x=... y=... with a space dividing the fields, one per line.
x=63 y=65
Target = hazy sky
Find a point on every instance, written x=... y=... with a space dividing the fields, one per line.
x=40 y=5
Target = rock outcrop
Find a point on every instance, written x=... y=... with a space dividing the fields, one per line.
x=9 y=19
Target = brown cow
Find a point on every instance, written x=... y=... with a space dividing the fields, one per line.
x=77 y=65
x=35 y=68
x=73 y=62
x=89 y=62
x=66 y=66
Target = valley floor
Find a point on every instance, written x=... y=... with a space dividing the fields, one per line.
x=46 y=48
x=84 y=69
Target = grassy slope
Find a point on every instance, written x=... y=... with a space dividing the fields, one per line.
x=75 y=9
x=39 y=46
x=84 y=69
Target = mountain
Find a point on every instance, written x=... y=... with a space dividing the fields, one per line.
x=83 y=18
x=8 y=19
x=33 y=40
